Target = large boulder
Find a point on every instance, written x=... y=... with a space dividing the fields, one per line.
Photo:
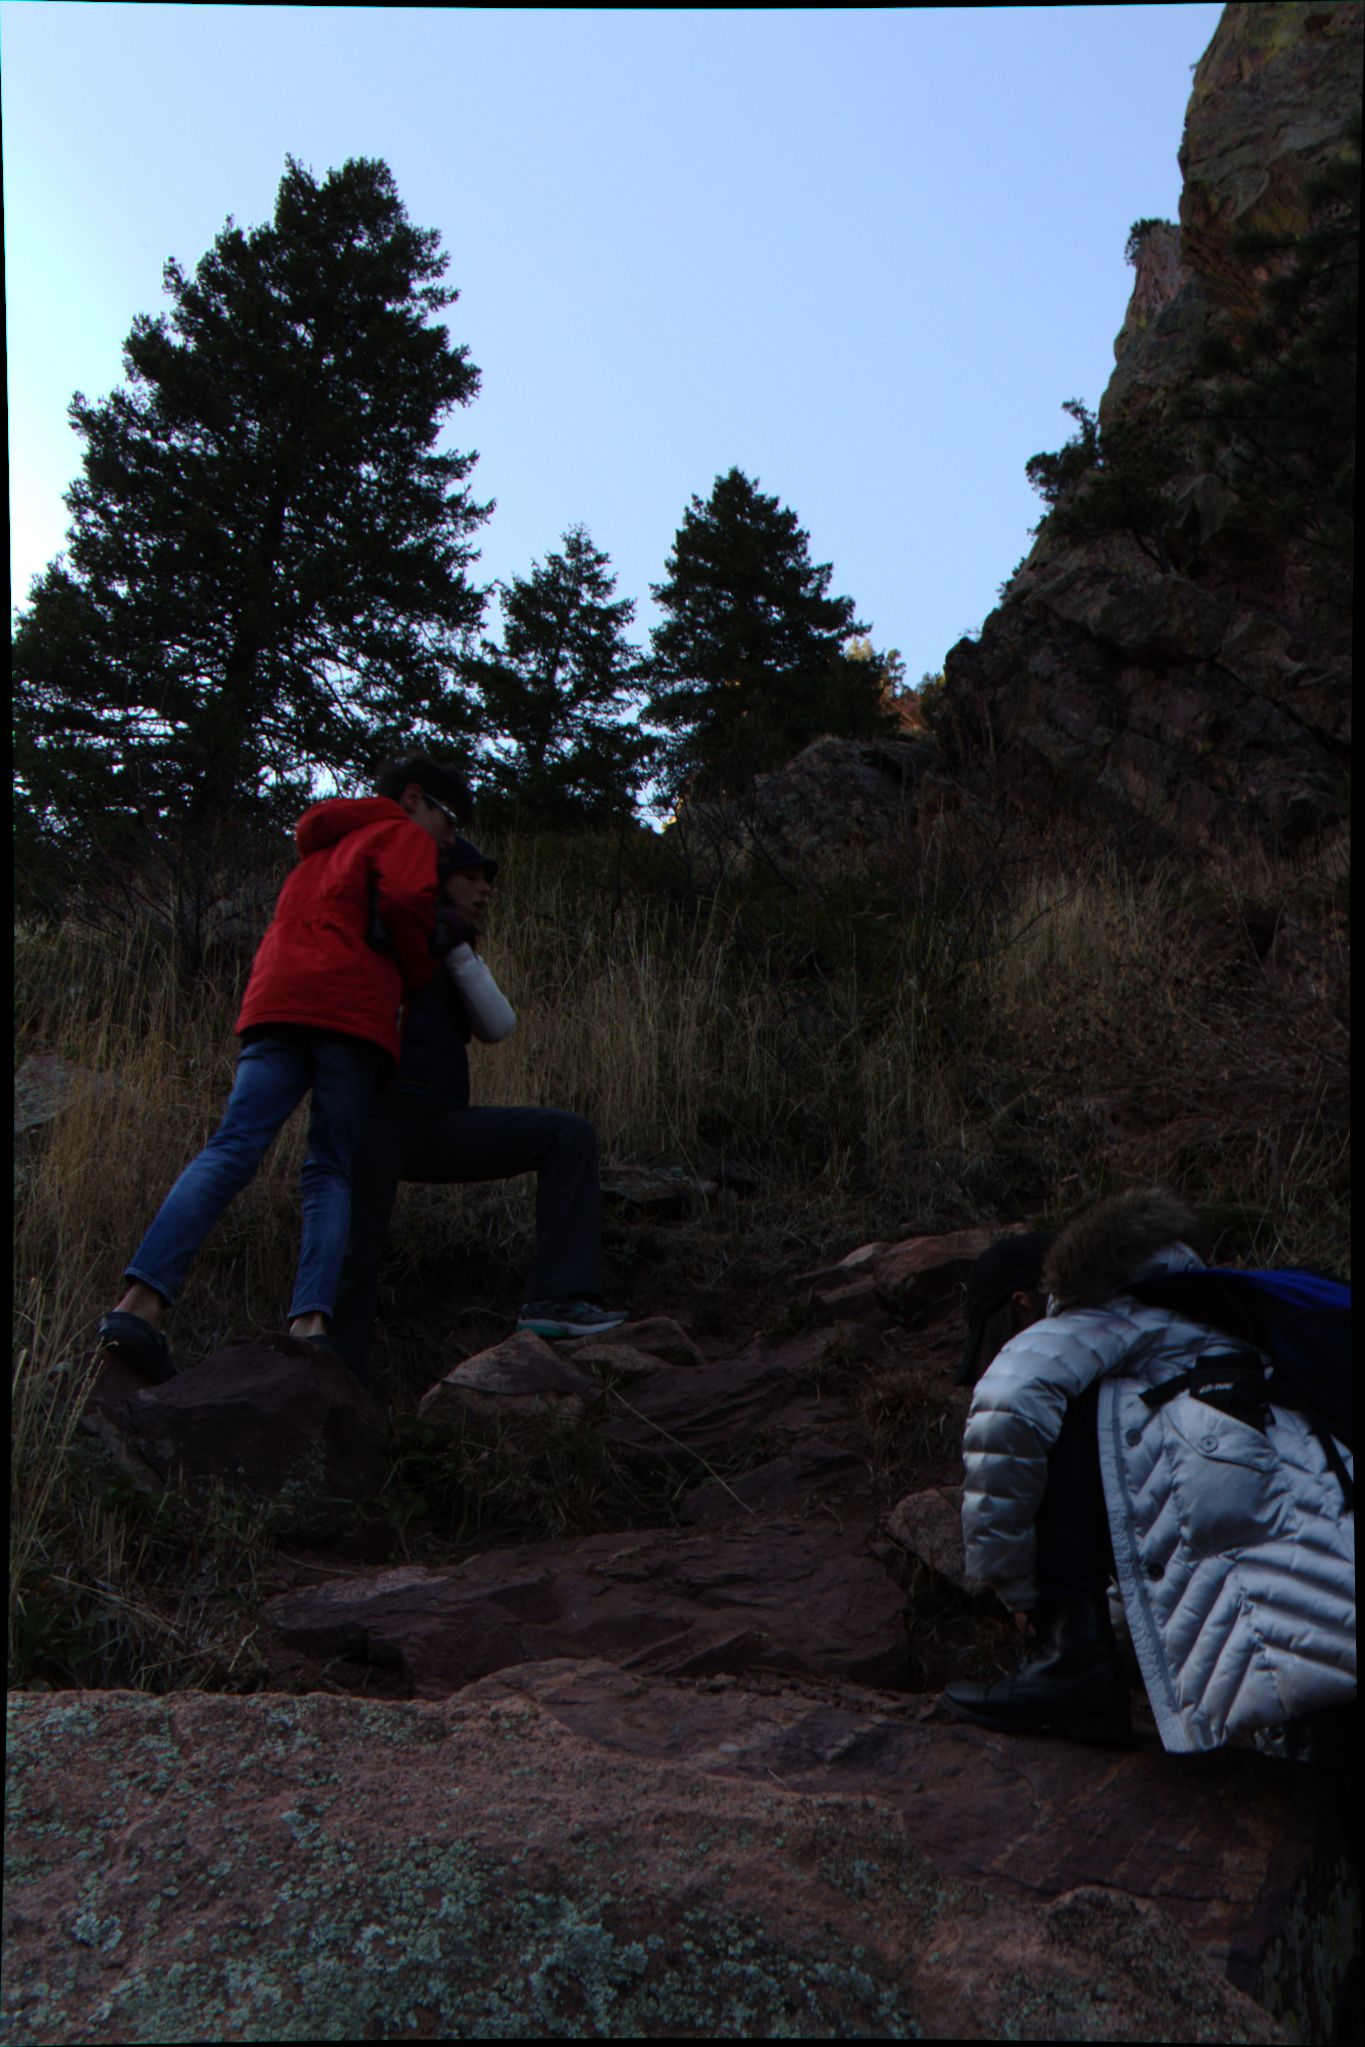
x=925 y=1274
x=797 y=1596
x=273 y=1417
x=256 y=1869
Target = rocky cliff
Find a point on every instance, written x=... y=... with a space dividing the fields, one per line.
x=1189 y=671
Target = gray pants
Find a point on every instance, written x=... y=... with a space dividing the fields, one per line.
x=416 y=1133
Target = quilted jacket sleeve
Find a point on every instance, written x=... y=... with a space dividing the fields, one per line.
x=491 y=1016
x=1015 y=1418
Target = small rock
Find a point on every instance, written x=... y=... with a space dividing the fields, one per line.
x=738 y=1177
x=929 y=1526
x=854 y=1266
x=654 y=1190
x=617 y=1363
x=656 y=1336
x=523 y=1375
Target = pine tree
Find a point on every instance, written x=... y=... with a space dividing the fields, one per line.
x=265 y=571
x=559 y=748
x=1114 y=479
x=750 y=663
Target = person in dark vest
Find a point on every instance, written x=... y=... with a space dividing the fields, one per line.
x=424 y=1128
x=319 y=1018
x=1225 y=1537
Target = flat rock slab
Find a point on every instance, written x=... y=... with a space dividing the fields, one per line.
x=811 y=1467
x=713 y=1411
x=1241 y=1852
x=201 y=1868
x=804 y=1597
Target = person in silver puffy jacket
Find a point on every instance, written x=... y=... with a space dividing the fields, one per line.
x=1232 y=1549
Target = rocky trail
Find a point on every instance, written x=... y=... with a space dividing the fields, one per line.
x=687 y=1777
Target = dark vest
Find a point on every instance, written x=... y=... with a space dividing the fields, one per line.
x=435 y=1034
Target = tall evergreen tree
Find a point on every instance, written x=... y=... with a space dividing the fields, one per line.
x=559 y=747
x=266 y=569
x=750 y=663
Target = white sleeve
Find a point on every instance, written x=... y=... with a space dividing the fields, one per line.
x=491 y=1015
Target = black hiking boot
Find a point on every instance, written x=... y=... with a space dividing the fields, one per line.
x=1071 y=1683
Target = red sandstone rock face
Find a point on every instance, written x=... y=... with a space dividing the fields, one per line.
x=799 y=1596
x=224 y=1869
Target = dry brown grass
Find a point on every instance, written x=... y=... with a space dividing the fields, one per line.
x=955 y=1038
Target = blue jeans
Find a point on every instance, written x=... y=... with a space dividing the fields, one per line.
x=273 y=1076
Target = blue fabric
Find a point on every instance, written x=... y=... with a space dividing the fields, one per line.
x=1299 y=1320
x=275 y=1071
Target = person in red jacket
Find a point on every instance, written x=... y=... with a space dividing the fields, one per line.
x=321 y=1016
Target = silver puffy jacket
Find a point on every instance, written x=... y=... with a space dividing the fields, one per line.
x=1234 y=1550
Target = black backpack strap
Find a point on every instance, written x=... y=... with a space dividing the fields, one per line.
x=1337 y=1462
x=1237 y=1385
x=1234 y=1383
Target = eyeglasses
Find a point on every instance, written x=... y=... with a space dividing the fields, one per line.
x=448 y=815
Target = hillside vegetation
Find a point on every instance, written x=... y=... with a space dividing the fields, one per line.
x=980 y=1028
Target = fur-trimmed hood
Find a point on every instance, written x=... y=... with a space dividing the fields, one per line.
x=1099 y=1253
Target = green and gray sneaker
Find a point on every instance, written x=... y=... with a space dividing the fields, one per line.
x=555 y=1319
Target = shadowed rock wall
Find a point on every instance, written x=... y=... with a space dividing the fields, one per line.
x=1212 y=695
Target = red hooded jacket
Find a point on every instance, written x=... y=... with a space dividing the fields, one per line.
x=315 y=965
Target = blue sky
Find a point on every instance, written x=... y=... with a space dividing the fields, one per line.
x=863 y=254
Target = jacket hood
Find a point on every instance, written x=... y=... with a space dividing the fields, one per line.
x=1117 y=1241
x=324 y=823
